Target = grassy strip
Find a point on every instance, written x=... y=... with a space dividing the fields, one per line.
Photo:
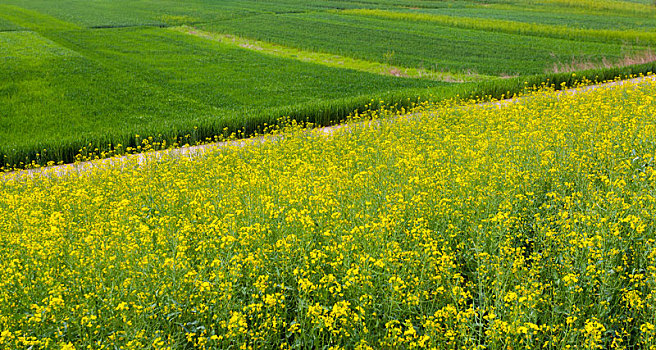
x=324 y=113
x=513 y=27
x=331 y=60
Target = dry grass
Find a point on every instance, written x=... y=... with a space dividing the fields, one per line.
x=396 y=72
x=642 y=57
x=508 y=76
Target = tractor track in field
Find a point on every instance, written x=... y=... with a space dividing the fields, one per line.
x=138 y=159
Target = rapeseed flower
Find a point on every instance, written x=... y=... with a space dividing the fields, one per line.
x=522 y=225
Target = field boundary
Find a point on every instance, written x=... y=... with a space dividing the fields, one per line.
x=139 y=159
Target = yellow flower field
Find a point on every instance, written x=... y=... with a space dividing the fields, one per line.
x=524 y=226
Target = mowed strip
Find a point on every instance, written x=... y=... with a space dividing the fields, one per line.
x=332 y=60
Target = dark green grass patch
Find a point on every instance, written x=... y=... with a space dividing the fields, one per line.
x=414 y=44
x=121 y=13
x=219 y=75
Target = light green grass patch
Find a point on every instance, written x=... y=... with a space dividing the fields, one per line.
x=33 y=20
x=6 y=25
x=332 y=60
x=29 y=45
x=178 y=20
